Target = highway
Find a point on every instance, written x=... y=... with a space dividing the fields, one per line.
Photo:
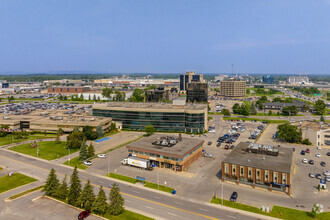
x=149 y=202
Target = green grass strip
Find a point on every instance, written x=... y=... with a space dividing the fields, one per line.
x=75 y=162
x=161 y=187
x=26 y=192
x=14 y=181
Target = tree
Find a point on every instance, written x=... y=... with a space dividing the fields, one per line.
x=138 y=96
x=89 y=97
x=58 y=140
x=306 y=141
x=90 y=150
x=52 y=184
x=75 y=139
x=253 y=109
x=75 y=188
x=236 y=108
x=277 y=99
x=150 y=129
x=10 y=98
x=208 y=107
x=322 y=118
x=305 y=108
x=289 y=133
x=225 y=112
x=89 y=133
x=65 y=98
x=76 y=128
x=60 y=131
x=86 y=197
x=82 y=96
x=99 y=131
x=270 y=113
x=106 y=92
x=83 y=154
x=62 y=190
x=319 y=107
x=245 y=109
x=119 y=96
x=113 y=126
x=116 y=201
x=315 y=209
x=100 y=204
x=94 y=98
x=290 y=110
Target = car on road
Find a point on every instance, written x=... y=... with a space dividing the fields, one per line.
x=328 y=154
x=326 y=173
x=319 y=148
x=318 y=176
x=302 y=152
x=305 y=160
x=88 y=163
x=311 y=175
x=218 y=144
x=102 y=155
x=208 y=155
x=318 y=155
x=323 y=164
x=311 y=162
x=209 y=143
x=233 y=197
x=84 y=214
x=308 y=150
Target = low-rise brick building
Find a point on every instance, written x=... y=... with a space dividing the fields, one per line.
x=68 y=89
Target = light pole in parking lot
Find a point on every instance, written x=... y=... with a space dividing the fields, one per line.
x=108 y=165
x=222 y=192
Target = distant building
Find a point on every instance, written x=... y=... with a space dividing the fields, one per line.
x=318 y=133
x=259 y=165
x=269 y=79
x=298 y=79
x=280 y=105
x=197 y=91
x=68 y=89
x=233 y=88
x=189 y=77
x=157 y=95
x=220 y=77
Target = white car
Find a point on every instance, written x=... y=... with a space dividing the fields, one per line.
x=326 y=173
x=305 y=160
x=311 y=175
x=102 y=155
x=318 y=155
x=319 y=148
x=208 y=155
x=328 y=178
x=88 y=163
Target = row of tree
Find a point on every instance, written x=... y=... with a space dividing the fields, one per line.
x=84 y=197
x=291 y=134
x=118 y=95
x=76 y=137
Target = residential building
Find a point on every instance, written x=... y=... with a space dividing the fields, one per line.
x=233 y=88
x=268 y=79
x=176 y=153
x=188 y=78
x=259 y=166
x=298 y=79
x=163 y=116
x=197 y=92
x=157 y=95
x=68 y=89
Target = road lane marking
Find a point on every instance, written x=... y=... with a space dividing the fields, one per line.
x=147 y=200
x=171 y=214
x=136 y=192
x=178 y=203
x=156 y=197
x=231 y=216
x=148 y=207
x=203 y=209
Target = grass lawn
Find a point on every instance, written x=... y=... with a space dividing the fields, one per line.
x=127 y=215
x=277 y=211
x=48 y=150
x=1 y=168
x=8 y=139
x=273 y=114
x=75 y=162
x=16 y=180
x=161 y=187
x=26 y=192
x=121 y=177
x=255 y=119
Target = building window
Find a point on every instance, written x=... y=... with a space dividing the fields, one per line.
x=242 y=171
x=233 y=170
x=275 y=177
x=249 y=172
x=258 y=174
x=226 y=168
x=284 y=178
x=266 y=175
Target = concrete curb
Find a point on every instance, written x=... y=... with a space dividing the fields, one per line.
x=10 y=200
x=19 y=187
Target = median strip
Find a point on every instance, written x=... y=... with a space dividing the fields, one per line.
x=25 y=193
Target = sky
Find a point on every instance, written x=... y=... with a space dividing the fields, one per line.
x=172 y=36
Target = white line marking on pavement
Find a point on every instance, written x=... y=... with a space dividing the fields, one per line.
x=149 y=207
x=136 y=192
x=178 y=203
x=127 y=201
x=172 y=214
x=230 y=216
x=156 y=197
x=204 y=210
x=36 y=198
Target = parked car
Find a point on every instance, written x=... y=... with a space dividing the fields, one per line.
x=102 y=155
x=208 y=155
x=328 y=154
x=327 y=178
x=323 y=164
x=311 y=162
x=84 y=214
x=308 y=150
x=302 y=152
x=88 y=163
x=318 y=176
x=319 y=148
x=232 y=147
x=311 y=175
x=192 y=135
x=318 y=155
x=203 y=151
x=218 y=144
x=209 y=143
x=326 y=173
x=305 y=160
x=226 y=147
x=233 y=197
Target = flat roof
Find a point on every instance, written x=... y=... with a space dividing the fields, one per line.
x=131 y=106
x=180 y=149
x=280 y=163
x=312 y=125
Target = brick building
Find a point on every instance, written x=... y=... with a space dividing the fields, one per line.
x=232 y=88
x=176 y=153
x=259 y=165
x=68 y=89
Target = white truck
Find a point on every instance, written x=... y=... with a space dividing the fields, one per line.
x=137 y=162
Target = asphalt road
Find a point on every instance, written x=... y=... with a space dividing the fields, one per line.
x=161 y=205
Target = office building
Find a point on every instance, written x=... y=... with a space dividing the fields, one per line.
x=197 y=92
x=163 y=116
x=188 y=78
x=298 y=79
x=259 y=165
x=280 y=105
x=269 y=79
x=233 y=88
x=157 y=95
x=318 y=133
x=68 y=89
x=176 y=153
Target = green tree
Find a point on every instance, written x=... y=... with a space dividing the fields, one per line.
x=90 y=150
x=89 y=97
x=306 y=141
x=277 y=99
x=58 y=140
x=83 y=154
x=100 y=204
x=150 y=129
x=322 y=118
x=75 y=139
x=99 y=131
x=113 y=126
x=89 y=133
x=236 y=108
x=245 y=109
x=82 y=97
x=305 y=108
x=208 y=107
x=289 y=110
x=225 y=112
x=315 y=210
x=65 y=98
x=116 y=201
x=319 y=107
x=253 y=109
x=52 y=184
x=138 y=96
x=62 y=190
x=94 y=98
x=10 y=98
x=75 y=188
x=86 y=197
x=106 y=92
x=76 y=128
x=60 y=131
x=270 y=113
x=289 y=133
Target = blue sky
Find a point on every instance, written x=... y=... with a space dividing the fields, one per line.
x=153 y=36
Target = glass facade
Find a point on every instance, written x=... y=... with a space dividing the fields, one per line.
x=181 y=82
x=162 y=121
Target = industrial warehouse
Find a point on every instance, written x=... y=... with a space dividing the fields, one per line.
x=259 y=165
x=176 y=153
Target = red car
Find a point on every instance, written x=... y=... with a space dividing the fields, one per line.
x=84 y=214
x=226 y=147
x=308 y=150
